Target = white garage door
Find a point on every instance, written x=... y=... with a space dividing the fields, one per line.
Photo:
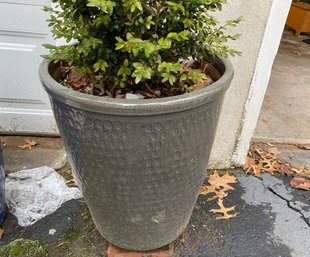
x=24 y=105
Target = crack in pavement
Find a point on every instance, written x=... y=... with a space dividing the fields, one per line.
x=290 y=220
x=307 y=221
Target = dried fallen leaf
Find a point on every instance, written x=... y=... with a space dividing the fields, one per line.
x=78 y=81
x=300 y=183
x=29 y=144
x=298 y=170
x=1 y=232
x=304 y=147
x=284 y=169
x=205 y=190
x=260 y=152
x=222 y=182
x=73 y=181
x=182 y=238
x=218 y=185
x=218 y=194
x=301 y=171
x=224 y=211
x=249 y=163
x=257 y=169
x=62 y=244
x=295 y=53
x=269 y=166
x=272 y=153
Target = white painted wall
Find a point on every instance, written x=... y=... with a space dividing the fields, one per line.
x=261 y=31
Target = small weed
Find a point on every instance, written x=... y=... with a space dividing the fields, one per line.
x=86 y=214
x=23 y=248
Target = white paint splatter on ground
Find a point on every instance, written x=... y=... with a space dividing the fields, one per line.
x=289 y=226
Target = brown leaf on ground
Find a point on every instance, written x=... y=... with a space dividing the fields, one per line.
x=306 y=172
x=1 y=232
x=301 y=171
x=218 y=194
x=73 y=181
x=29 y=144
x=295 y=53
x=272 y=153
x=181 y=237
x=300 y=183
x=205 y=190
x=269 y=166
x=62 y=244
x=249 y=163
x=260 y=152
x=257 y=169
x=304 y=147
x=218 y=186
x=222 y=182
x=284 y=169
x=225 y=211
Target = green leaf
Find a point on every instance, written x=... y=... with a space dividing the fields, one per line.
x=138 y=75
x=104 y=5
x=149 y=22
x=164 y=43
x=196 y=76
x=184 y=77
x=141 y=72
x=100 y=65
x=149 y=48
x=138 y=65
x=133 y=5
x=120 y=43
x=176 y=6
x=129 y=36
x=126 y=63
x=49 y=46
x=169 y=77
x=172 y=35
x=183 y=35
x=124 y=71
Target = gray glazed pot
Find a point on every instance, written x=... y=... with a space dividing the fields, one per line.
x=139 y=163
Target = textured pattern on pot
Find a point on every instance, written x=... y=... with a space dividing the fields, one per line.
x=139 y=163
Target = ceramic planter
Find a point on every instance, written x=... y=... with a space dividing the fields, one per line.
x=139 y=163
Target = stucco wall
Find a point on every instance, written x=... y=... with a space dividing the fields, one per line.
x=255 y=15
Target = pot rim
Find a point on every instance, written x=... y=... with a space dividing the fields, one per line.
x=127 y=107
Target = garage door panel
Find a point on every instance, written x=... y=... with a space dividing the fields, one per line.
x=18 y=65
x=23 y=102
x=26 y=18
